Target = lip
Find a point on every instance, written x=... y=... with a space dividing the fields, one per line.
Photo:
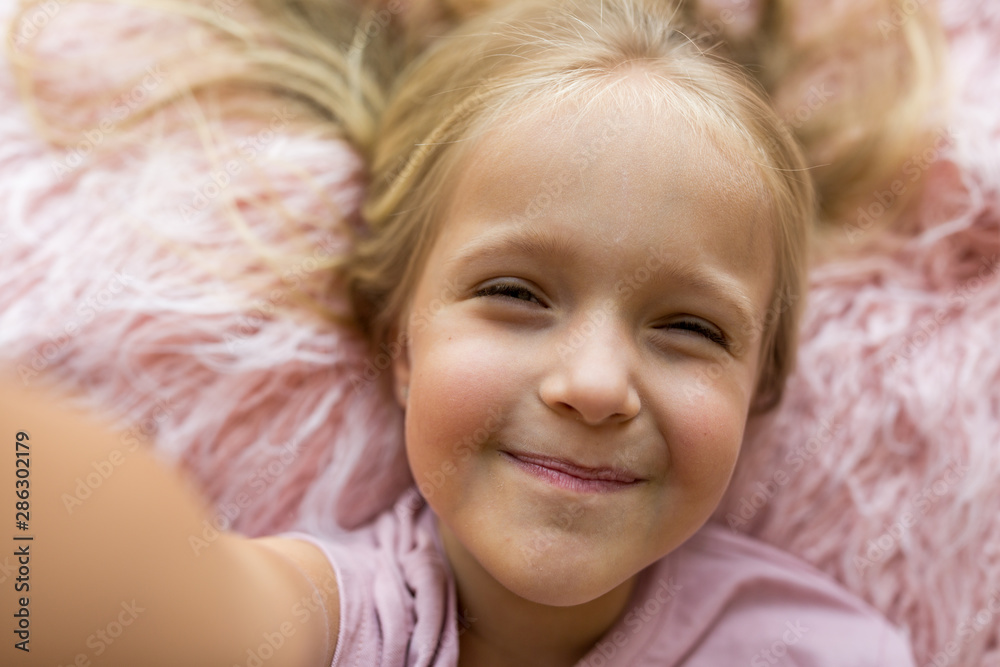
x=572 y=476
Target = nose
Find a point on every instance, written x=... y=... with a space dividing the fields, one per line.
x=591 y=377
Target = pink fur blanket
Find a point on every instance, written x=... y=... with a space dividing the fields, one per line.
x=123 y=274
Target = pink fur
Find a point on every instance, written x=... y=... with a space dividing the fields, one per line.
x=897 y=379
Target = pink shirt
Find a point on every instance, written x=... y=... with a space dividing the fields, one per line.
x=720 y=599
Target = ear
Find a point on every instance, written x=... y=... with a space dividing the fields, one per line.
x=400 y=365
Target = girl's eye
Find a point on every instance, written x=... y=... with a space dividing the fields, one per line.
x=703 y=329
x=514 y=291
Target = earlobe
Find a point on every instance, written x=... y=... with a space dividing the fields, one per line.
x=401 y=370
x=401 y=388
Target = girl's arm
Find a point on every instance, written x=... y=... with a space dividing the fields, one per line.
x=107 y=558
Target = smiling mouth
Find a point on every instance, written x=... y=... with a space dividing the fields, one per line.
x=573 y=477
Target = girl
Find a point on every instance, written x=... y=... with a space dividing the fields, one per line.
x=586 y=249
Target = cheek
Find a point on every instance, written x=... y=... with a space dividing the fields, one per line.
x=455 y=405
x=714 y=419
x=454 y=374
x=707 y=434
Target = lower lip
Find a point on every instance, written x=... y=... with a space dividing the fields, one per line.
x=565 y=480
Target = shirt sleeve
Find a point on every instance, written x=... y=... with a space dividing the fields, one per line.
x=396 y=595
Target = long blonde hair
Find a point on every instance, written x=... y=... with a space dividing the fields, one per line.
x=346 y=63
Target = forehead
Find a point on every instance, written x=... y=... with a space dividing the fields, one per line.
x=632 y=174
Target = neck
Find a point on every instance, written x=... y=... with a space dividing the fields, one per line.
x=501 y=629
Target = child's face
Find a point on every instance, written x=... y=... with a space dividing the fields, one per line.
x=582 y=348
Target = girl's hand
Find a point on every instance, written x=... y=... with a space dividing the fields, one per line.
x=99 y=565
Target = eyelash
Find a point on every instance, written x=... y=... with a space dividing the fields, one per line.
x=710 y=333
x=508 y=290
x=515 y=291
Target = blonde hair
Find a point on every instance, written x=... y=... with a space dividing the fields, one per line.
x=343 y=60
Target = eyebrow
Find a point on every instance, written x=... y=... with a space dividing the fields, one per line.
x=526 y=241
x=535 y=243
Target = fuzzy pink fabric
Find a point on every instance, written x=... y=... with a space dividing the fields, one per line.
x=122 y=274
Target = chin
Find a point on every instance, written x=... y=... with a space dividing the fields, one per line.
x=544 y=591
x=560 y=579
